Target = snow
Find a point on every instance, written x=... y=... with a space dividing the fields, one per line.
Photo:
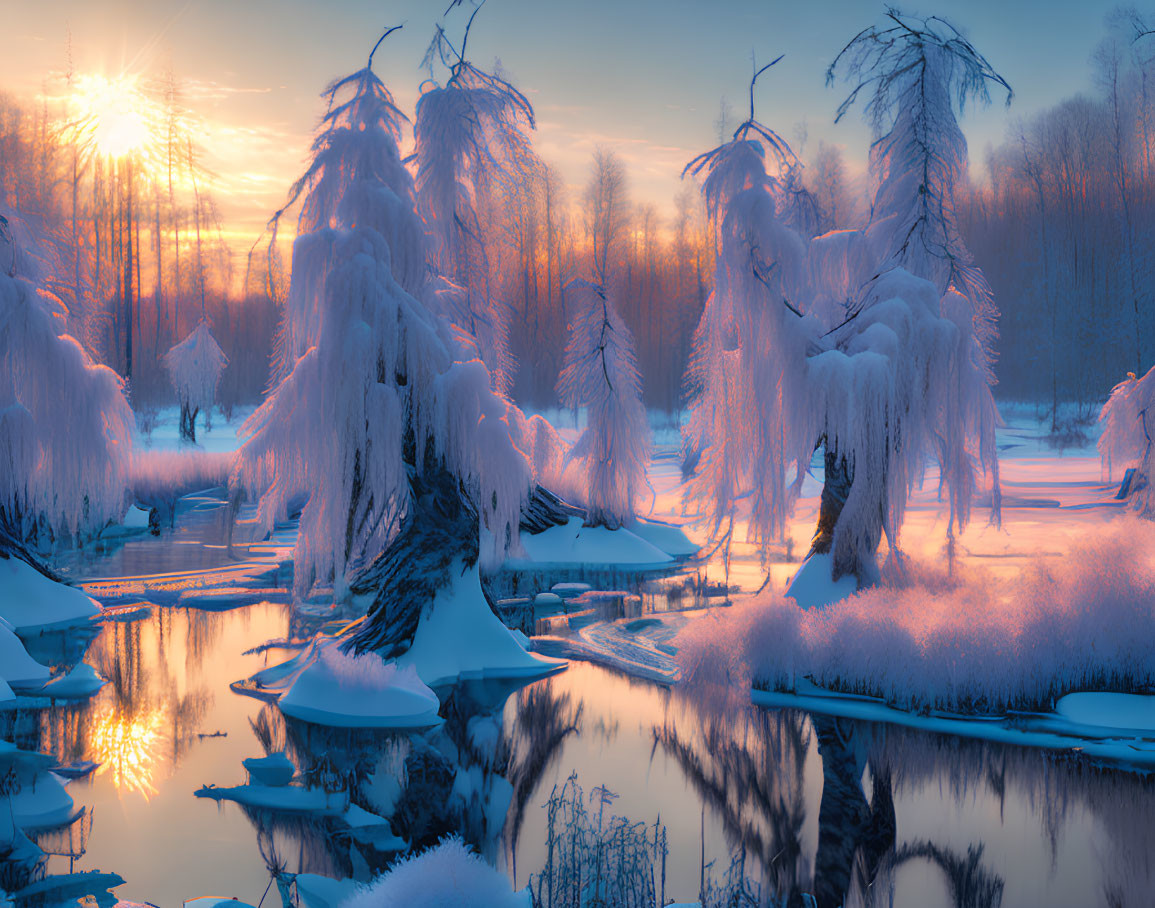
x=287 y=798
x=215 y=901
x=16 y=666
x=359 y=692
x=316 y=891
x=1134 y=713
x=7 y=697
x=42 y=804
x=446 y=876
x=78 y=684
x=813 y=586
x=574 y=543
x=135 y=521
x=459 y=638
x=275 y=770
x=29 y=601
x=665 y=537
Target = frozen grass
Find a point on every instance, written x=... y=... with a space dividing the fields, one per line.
x=967 y=643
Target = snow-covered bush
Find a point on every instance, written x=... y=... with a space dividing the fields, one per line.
x=601 y=374
x=65 y=427
x=384 y=395
x=1126 y=438
x=973 y=643
x=446 y=876
x=195 y=366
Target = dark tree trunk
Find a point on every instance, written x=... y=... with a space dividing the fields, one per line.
x=188 y=421
x=839 y=476
x=852 y=834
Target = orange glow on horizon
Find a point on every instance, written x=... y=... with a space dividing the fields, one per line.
x=118 y=117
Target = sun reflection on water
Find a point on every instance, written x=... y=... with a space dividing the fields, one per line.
x=125 y=744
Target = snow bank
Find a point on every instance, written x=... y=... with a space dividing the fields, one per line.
x=29 y=601
x=43 y=803
x=666 y=537
x=16 y=666
x=813 y=586
x=573 y=543
x=446 y=876
x=359 y=692
x=459 y=638
x=973 y=644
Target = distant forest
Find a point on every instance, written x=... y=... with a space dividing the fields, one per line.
x=1062 y=224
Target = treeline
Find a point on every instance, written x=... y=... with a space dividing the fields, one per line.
x=135 y=242
x=1065 y=232
x=1064 y=229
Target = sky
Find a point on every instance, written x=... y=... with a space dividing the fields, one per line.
x=643 y=77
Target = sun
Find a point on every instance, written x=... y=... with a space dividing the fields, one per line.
x=117 y=116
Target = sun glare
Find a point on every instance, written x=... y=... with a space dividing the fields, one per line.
x=115 y=113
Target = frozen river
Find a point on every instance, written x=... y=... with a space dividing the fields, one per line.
x=813 y=805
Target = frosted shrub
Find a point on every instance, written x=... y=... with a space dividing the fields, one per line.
x=981 y=645
x=195 y=366
x=601 y=374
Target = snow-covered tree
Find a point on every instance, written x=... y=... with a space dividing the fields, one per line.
x=601 y=374
x=65 y=427
x=384 y=397
x=915 y=72
x=472 y=137
x=883 y=372
x=195 y=366
x=1126 y=438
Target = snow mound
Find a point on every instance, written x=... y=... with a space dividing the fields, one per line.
x=43 y=804
x=6 y=695
x=459 y=638
x=446 y=876
x=1101 y=709
x=79 y=684
x=316 y=891
x=359 y=692
x=812 y=586
x=576 y=544
x=30 y=601
x=16 y=666
x=666 y=537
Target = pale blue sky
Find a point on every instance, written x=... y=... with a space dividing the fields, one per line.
x=641 y=76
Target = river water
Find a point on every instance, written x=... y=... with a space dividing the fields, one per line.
x=813 y=805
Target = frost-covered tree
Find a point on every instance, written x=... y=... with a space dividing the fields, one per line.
x=383 y=398
x=472 y=138
x=915 y=72
x=65 y=427
x=601 y=374
x=195 y=366
x=883 y=372
x=1126 y=438
x=387 y=429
